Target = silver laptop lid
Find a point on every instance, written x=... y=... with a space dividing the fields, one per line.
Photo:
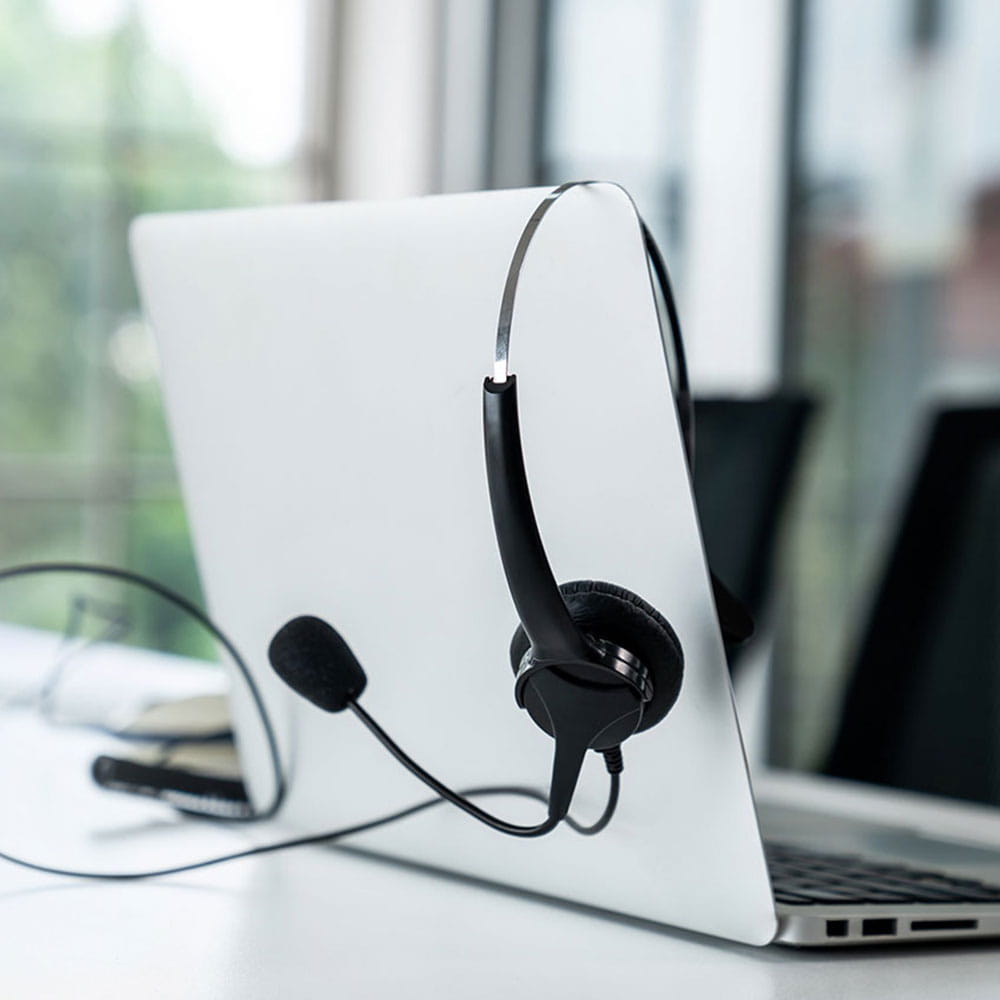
x=323 y=367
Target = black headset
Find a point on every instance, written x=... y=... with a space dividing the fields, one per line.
x=594 y=663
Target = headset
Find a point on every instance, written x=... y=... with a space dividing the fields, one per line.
x=593 y=662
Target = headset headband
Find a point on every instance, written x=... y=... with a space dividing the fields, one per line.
x=553 y=634
x=682 y=389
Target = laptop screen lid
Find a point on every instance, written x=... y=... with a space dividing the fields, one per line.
x=322 y=370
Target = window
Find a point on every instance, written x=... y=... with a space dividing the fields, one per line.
x=896 y=289
x=618 y=103
x=110 y=108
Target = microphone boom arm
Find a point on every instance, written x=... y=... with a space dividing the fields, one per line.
x=514 y=829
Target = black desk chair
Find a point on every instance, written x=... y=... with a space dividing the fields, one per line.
x=922 y=709
x=747 y=451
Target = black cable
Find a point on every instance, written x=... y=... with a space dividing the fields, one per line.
x=127 y=576
x=319 y=838
x=683 y=396
x=601 y=822
x=445 y=794
x=455 y=798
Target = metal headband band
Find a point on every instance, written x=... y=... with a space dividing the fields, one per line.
x=655 y=261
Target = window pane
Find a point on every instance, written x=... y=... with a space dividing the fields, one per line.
x=47 y=277
x=897 y=274
x=618 y=100
x=41 y=530
x=109 y=108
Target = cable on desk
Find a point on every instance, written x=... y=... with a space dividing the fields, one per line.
x=330 y=835
x=612 y=758
x=193 y=611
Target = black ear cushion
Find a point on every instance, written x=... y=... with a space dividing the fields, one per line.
x=613 y=613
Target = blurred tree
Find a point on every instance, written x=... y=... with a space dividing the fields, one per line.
x=94 y=128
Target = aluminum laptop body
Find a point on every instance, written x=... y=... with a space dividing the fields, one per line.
x=322 y=368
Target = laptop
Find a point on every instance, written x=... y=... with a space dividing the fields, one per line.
x=749 y=447
x=322 y=367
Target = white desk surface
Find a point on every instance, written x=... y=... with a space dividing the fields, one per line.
x=319 y=922
x=316 y=922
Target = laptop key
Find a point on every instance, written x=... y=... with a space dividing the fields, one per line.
x=925 y=893
x=800 y=877
x=792 y=899
x=823 y=894
x=967 y=894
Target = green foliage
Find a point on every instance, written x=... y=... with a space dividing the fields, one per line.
x=93 y=130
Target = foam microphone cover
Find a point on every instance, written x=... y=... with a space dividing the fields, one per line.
x=311 y=657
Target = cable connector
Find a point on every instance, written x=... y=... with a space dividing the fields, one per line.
x=613 y=760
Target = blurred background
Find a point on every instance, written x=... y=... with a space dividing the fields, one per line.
x=823 y=175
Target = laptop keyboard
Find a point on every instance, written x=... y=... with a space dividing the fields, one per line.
x=801 y=877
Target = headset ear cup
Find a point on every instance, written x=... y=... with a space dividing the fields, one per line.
x=613 y=613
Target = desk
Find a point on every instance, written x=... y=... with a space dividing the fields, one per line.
x=323 y=922
x=318 y=922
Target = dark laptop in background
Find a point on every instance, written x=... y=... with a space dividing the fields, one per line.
x=748 y=448
x=922 y=714
x=922 y=709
